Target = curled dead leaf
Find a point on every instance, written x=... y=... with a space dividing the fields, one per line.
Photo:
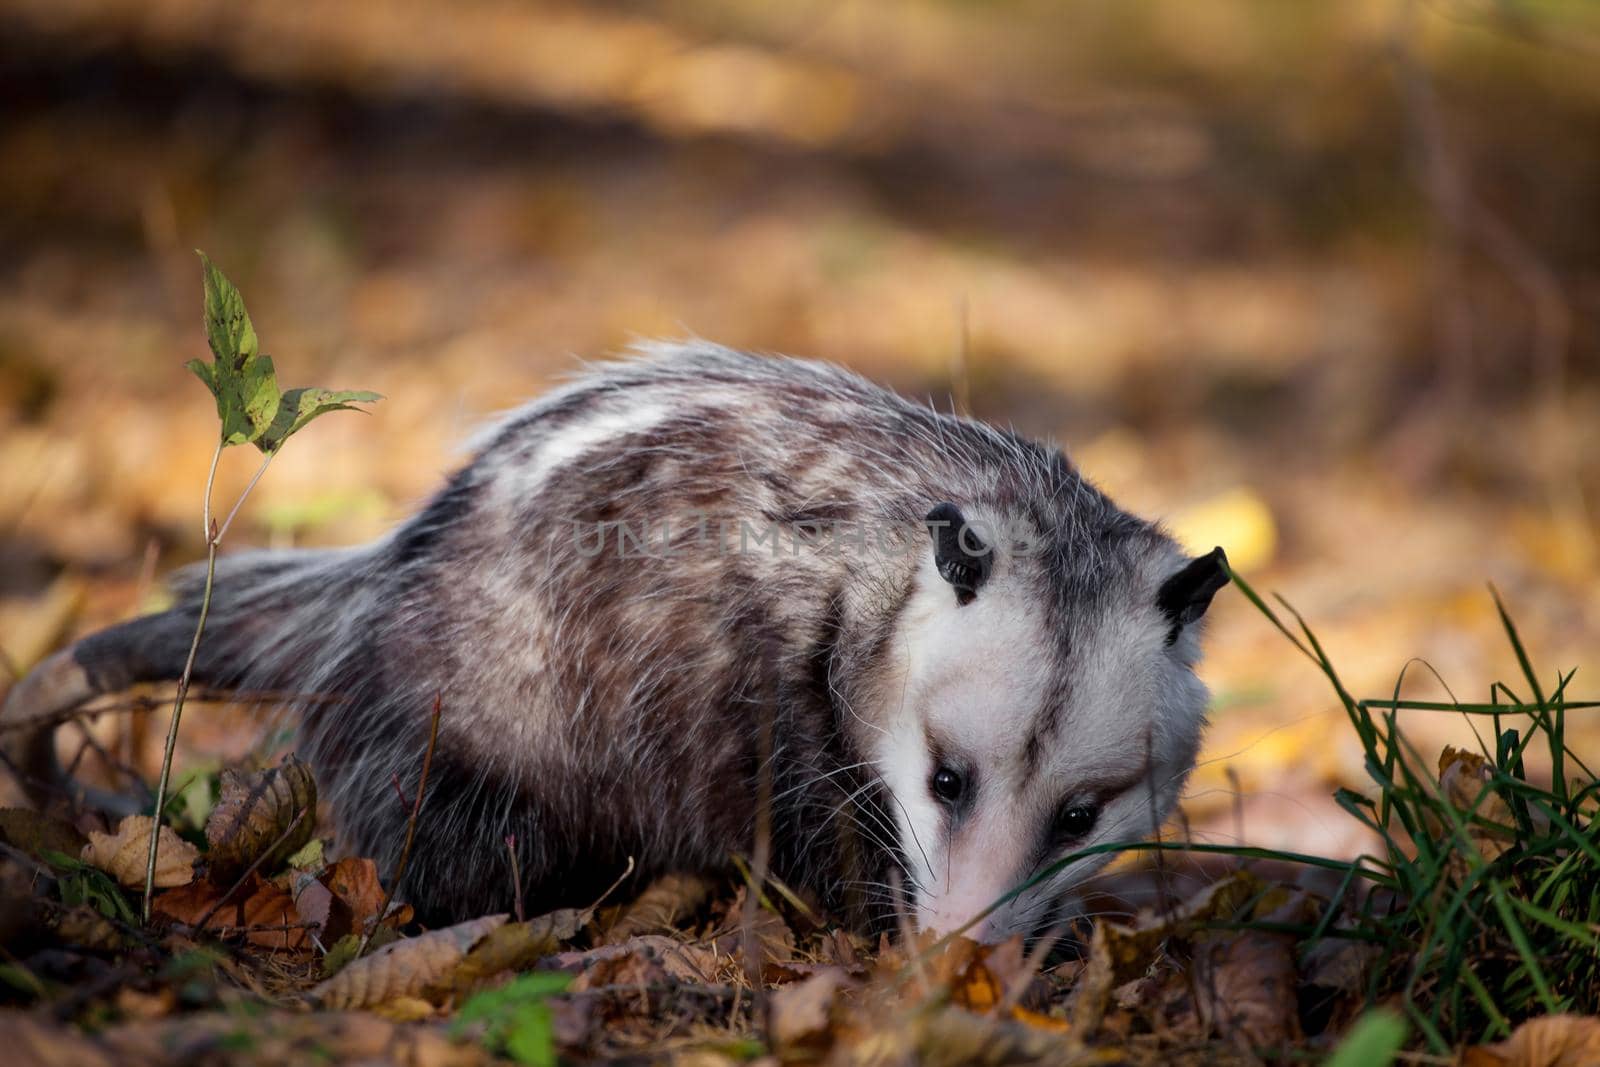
x=256 y=811
x=405 y=968
x=122 y=854
x=1550 y=1041
x=1463 y=778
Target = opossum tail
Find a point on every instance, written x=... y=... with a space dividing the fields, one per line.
x=256 y=630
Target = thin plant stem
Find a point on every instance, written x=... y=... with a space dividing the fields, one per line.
x=411 y=827
x=183 y=687
x=516 y=875
x=237 y=504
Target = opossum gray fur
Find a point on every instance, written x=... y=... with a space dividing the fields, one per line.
x=694 y=575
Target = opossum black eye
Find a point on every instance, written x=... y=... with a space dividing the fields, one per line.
x=1185 y=596
x=1074 y=821
x=963 y=557
x=948 y=784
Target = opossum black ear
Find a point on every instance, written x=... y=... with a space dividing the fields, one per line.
x=963 y=557
x=1185 y=596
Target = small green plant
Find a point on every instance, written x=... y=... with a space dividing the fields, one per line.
x=516 y=1018
x=252 y=411
x=83 y=883
x=1485 y=907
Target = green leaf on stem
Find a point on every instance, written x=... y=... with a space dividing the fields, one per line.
x=243 y=380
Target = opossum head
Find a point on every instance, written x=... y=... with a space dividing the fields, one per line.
x=1042 y=701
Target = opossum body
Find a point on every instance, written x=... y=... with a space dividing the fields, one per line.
x=696 y=582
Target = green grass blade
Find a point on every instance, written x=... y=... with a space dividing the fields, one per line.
x=1519 y=939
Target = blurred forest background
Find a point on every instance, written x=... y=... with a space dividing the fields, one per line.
x=1316 y=281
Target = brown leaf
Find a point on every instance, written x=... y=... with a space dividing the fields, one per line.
x=954 y=1037
x=186 y=904
x=1247 y=988
x=1120 y=953
x=270 y=906
x=122 y=854
x=36 y=833
x=1550 y=1041
x=355 y=883
x=802 y=1013
x=772 y=933
x=258 y=903
x=256 y=810
x=315 y=903
x=666 y=902
x=513 y=947
x=642 y=960
x=1463 y=777
x=405 y=968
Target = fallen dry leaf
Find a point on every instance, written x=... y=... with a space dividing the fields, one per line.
x=187 y=903
x=122 y=854
x=1247 y=980
x=954 y=1037
x=1247 y=988
x=1120 y=953
x=355 y=882
x=1463 y=776
x=261 y=911
x=269 y=919
x=1549 y=1041
x=315 y=905
x=665 y=903
x=405 y=968
x=512 y=947
x=255 y=811
x=772 y=933
x=642 y=960
x=802 y=1013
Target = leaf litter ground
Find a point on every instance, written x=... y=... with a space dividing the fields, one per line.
x=265 y=949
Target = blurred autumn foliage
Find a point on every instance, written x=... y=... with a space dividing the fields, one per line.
x=1319 y=282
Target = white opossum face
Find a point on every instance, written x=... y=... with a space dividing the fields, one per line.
x=1013 y=744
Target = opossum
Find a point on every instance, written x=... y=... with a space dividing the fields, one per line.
x=695 y=598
